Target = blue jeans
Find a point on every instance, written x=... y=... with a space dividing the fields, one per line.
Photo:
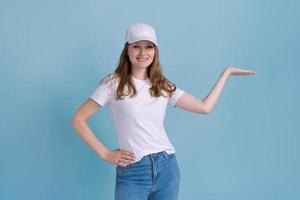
x=155 y=177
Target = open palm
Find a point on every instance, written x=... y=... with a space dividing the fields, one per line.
x=236 y=71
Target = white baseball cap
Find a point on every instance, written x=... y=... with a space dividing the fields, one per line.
x=140 y=31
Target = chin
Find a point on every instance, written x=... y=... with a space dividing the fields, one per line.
x=143 y=65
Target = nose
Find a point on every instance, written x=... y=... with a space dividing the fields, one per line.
x=143 y=51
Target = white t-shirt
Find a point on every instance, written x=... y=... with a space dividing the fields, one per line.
x=138 y=120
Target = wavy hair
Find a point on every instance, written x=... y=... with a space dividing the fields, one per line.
x=160 y=84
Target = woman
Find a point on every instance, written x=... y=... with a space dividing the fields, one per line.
x=138 y=94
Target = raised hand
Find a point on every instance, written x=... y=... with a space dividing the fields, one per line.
x=119 y=157
x=236 y=71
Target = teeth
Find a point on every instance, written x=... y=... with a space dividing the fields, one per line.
x=142 y=59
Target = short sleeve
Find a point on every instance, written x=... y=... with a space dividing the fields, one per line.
x=103 y=94
x=175 y=97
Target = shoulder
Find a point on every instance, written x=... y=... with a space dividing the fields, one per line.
x=110 y=79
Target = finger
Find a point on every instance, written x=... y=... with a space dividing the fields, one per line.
x=119 y=162
x=243 y=73
x=122 y=163
x=128 y=154
x=250 y=71
x=127 y=160
x=127 y=157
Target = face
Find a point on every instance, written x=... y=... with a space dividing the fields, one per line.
x=141 y=53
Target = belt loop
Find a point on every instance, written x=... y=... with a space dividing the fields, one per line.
x=165 y=154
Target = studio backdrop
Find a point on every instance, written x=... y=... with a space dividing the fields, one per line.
x=54 y=53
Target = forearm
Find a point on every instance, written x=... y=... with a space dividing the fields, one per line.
x=210 y=100
x=89 y=137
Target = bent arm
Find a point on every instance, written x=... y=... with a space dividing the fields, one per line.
x=204 y=106
x=86 y=110
x=211 y=99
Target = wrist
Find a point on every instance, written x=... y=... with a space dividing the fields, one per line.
x=104 y=154
x=226 y=72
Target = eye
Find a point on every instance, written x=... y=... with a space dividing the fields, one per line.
x=150 y=46
x=135 y=46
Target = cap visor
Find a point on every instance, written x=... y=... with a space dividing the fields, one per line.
x=142 y=38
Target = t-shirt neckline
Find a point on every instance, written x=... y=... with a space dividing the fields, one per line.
x=141 y=80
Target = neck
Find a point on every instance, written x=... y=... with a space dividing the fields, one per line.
x=139 y=73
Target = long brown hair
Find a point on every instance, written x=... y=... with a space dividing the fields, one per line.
x=123 y=74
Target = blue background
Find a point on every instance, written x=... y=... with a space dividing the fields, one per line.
x=54 y=53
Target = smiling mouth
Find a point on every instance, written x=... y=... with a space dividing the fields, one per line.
x=142 y=59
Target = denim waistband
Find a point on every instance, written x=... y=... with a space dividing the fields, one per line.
x=156 y=156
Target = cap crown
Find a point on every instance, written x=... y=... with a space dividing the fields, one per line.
x=140 y=31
